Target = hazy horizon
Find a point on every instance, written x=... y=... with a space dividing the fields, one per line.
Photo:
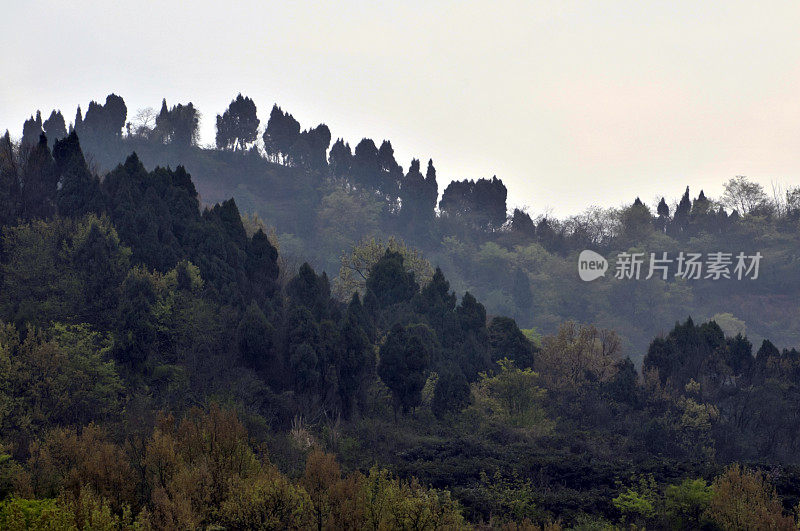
x=571 y=104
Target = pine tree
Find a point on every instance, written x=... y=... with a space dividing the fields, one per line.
x=403 y=365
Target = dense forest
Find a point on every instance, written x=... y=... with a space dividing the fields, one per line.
x=175 y=355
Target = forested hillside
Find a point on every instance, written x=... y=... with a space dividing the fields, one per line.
x=321 y=198
x=174 y=358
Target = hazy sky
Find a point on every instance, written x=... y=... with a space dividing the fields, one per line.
x=570 y=103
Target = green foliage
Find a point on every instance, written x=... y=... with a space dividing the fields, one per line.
x=197 y=307
x=18 y=514
x=511 y=397
x=66 y=270
x=64 y=379
x=638 y=505
x=511 y=498
x=687 y=502
x=357 y=265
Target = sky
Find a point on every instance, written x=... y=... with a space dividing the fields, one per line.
x=571 y=104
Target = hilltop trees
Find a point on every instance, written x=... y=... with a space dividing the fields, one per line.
x=31 y=130
x=55 y=128
x=340 y=159
x=178 y=125
x=318 y=139
x=418 y=196
x=102 y=123
x=743 y=195
x=238 y=125
x=481 y=202
x=280 y=135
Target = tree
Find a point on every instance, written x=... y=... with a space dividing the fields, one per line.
x=744 y=499
x=143 y=123
x=507 y=341
x=740 y=355
x=79 y=193
x=686 y=503
x=638 y=505
x=389 y=280
x=317 y=139
x=280 y=135
x=54 y=128
x=390 y=172
x=662 y=210
x=357 y=265
x=262 y=266
x=31 y=131
x=577 y=355
x=39 y=180
x=437 y=302
x=451 y=393
x=403 y=365
x=163 y=128
x=743 y=195
x=431 y=188
x=356 y=359
x=637 y=222
x=766 y=351
x=310 y=291
x=340 y=159
x=238 y=125
x=522 y=223
x=10 y=194
x=256 y=339
x=481 y=203
x=511 y=396
x=303 y=340
x=320 y=477
x=178 y=125
x=102 y=122
x=185 y=122
x=101 y=263
x=59 y=377
x=416 y=192
x=662 y=220
x=136 y=327
x=680 y=220
x=366 y=168
x=117 y=113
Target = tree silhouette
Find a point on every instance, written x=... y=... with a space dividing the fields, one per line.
x=404 y=359
x=79 y=192
x=340 y=159
x=10 y=195
x=238 y=125
x=280 y=135
x=54 y=128
x=31 y=130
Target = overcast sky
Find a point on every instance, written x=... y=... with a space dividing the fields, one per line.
x=570 y=103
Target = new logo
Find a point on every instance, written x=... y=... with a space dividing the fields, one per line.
x=591 y=265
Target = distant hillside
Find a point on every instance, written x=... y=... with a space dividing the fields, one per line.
x=322 y=198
